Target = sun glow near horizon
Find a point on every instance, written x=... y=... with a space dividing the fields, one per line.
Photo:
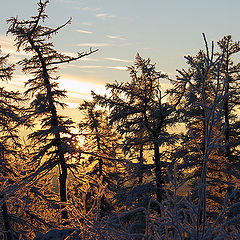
x=80 y=88
x=79 y=138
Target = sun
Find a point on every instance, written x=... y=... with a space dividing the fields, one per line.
x=80 y=139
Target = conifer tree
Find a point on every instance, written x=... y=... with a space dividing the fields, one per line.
x=184 y=97
x=138 y=110
x=201 y=93
x=100 y=139
x=9 y=144
x=100 y=148
x=230 y=70
x=34 y=38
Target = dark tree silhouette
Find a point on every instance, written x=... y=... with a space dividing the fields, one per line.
x=100 y=138
x=184 y=97
x=102 y=149
x=201 y=93
x=34 y=38
x=231 y=71
x=9 y=141
x=138 y=110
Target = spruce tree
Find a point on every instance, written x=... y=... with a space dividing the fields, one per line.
x=139 y=113
x=9 y=141
x=101 y=150
x=231 y=71
x=35 y=38
x=184 y=95
x=201 y=93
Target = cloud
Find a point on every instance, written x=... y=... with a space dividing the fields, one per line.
x=17 y=82
x=80 y=88
x=117 y=59
x=86 y=67
x=88 y=59
x=119 y=68
x=101 y=15
x=92 y=44
x=7 y=47
x=115 y=37
x=84 y=31
x=86 y=23
x=126 y=44
x=70 y=54
x=146 y=48
x=85 y=59
x=104 y=15
x=86 y=9
x=14 y=59
x=90 y=9
x=92 y=67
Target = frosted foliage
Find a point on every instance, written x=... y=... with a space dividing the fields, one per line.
x=121 y=172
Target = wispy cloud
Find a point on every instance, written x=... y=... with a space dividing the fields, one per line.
x=104 y=15
x=86 y=9
x=15 y=59
x=70 y=54
x=115 y=37
x=91 y=9
x=17 y=82
x=85 y=59
x=89 y=59
x=92 y=44
x=101 y=15
x=117 y=59
x=125 y=44
x=146 y=48
x=83 y=31
x=92 y=67
x=119 y=68
x=80 y=88
x=7 y=47
x=86 y=67
x=86 y=23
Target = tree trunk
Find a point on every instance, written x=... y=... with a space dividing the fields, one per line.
x=140 y=180
x=54 y=123
x=227 y=125
x=6 y=221
x=158 y=172
x=63 y=189
x=226 y=105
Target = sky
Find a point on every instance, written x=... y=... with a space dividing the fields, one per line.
x=162 y=30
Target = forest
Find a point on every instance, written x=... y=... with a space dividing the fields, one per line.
x=141 y=163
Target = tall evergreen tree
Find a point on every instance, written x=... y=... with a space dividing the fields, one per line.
x=34 y=38
x=9 y=143
x=231 y=71
x=201 y=93
x=101 y=146
x=100 y=139
x=184 y=96
x=138 y=110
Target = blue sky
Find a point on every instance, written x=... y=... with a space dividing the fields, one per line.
x=165 y=31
